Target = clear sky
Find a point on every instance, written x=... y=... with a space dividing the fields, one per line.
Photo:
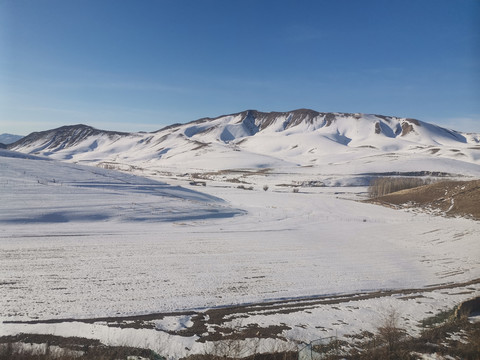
x=134 y=65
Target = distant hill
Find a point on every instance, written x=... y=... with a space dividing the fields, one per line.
x=9 y=138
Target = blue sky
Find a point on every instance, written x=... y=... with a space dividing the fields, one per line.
x=140 y=65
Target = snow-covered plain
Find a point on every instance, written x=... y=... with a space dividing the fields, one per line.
x=81 y=242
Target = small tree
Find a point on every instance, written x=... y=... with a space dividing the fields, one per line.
x=265 y=187
x=390 y=334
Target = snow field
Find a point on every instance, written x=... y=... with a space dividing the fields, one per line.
x=98 y=243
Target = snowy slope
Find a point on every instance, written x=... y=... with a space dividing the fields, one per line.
x=328 y=143
x=61 y=193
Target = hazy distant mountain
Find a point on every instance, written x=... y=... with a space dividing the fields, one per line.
x=330 y=143
x=9 y=138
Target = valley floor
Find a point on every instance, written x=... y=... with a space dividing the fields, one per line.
x=302 y=265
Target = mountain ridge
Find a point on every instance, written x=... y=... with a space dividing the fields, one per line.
x=264 y=120
x=329 y=142
x=297 y=116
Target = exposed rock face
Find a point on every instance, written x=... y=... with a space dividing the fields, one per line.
x=295 y=117
x=414 y=121
x=329 y=118
x=407 y=128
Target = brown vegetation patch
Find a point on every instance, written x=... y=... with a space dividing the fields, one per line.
x=66 y=348
x=238 y=173
x=199 y=145
x=278 y=355
x=452 y=198
x=390 y=342
x=236 y=181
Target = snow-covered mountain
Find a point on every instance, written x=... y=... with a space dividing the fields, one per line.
x=318 y=143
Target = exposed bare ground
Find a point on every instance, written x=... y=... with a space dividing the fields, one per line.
x=443 y=337
x=451 y=198
x=221 y=318
x=448 y=334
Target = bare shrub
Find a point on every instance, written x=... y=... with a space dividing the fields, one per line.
x=388 y=343
x=237 y=346
x=280 y=350
x=265 y=187
x=327 y=348
x=390 y=334
x=229 y=348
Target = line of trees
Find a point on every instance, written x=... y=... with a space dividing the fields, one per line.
x=386 y=185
